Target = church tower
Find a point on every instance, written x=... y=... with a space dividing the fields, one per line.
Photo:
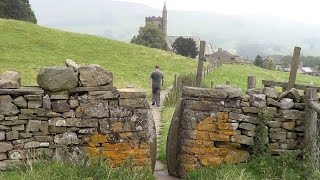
x=164 y=19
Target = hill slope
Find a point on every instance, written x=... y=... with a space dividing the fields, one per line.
x=26 y=48
x=238 y=74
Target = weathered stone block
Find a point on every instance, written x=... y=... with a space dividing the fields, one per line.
x=286 y=103
x=13 y=123
x=248 y=126
x=274 y=124
x=2 y=135
x=293 y=114
x=292 y=94
x=241 y=139
x=288 y=144
x=245 y=98
x=93 y=75
x=134 y=103
x=18 y=128
x=5 y=146
x=12 y=135
x=105 y=95
x=270 y=92
x=71 y=64
x=87 y=131
x=74 y=103
x=23 y=135
x=57 y=78
x=244 y=104
x=34 y=104
x=204 y=93
x=232 y=104
x=131 y=93
x=291 y=135
x=17 y=154
x=60 y=106
x=8 y=109
x=249 y=133
x=243 y=118
x=93 y=110
x=300 y=106
x=33 y=125
x=5 y=98
x=201 y=105
x=289 y=125
x=120 y=112
x=60 y=130
x=43 y=138
x=67 y=138
x=3 y=156
x=1 y=117
x=299 y=128
x=252 y=110
x=31 y=145
x=10 y=80
x=278 y=134
x=11 y=118
x=258 y=100
x=272 y=102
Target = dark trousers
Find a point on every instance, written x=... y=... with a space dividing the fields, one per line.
x=156 y=95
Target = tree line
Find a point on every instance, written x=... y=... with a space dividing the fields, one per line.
x=18 y=10
x=151 y=36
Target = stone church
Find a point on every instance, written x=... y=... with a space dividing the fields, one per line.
x=162 y=24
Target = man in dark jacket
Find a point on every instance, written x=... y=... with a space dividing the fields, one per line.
x=156 y=81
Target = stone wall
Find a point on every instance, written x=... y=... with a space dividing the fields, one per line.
x=216 y=126
x=76 y=111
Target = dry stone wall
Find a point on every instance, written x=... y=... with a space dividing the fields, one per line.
x=216 y=126
x=76 y=111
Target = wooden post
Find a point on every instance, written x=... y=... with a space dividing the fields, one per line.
x=251 y=82
x=294 y=67
x=211 y=84
x=175 y=82
x=200 y=64
x=311 y=128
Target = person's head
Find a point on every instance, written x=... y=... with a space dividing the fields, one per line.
x=157 y=67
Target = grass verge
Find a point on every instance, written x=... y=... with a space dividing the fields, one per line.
x=54 y=170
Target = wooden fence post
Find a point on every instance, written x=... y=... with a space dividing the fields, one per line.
x=251 y=82
x=294 y=67
x=211 y=84
x=200 y=63
x=311 y=128
x=175 y=82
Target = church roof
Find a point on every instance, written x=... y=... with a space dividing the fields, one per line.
x=170 y=40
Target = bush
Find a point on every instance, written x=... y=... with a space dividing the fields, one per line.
x=150 y=36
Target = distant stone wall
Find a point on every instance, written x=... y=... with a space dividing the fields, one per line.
x=76 y=111
x=216 y=126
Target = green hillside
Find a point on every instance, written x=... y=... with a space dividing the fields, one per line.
x=27 y=47
x=238 y=74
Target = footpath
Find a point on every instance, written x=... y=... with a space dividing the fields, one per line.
x=160 y=171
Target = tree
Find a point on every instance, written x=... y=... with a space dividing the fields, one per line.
x=258 y=61
x=269 y=64
x=17 y=9
x=150 y=36
x=185 y=47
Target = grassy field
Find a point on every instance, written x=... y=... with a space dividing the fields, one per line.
x=238 y=74
x=27 y=47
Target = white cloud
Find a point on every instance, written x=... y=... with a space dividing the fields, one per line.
x=303 y=11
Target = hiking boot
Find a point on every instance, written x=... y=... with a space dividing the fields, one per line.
x=153 y=103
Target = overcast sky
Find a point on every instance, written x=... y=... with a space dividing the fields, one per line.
x=307 y=11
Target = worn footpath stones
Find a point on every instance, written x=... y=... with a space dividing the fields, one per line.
x=10 y=80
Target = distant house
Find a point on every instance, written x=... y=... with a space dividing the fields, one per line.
x=224 y=56
x=305 y=70
x=170 y=40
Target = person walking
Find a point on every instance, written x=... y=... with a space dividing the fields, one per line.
x=156 y=82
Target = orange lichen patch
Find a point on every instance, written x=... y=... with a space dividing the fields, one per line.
x=224 y=126
x=206 y=127
x=222 y=116
x=199 y=151
x=198 y=143
x=141 y=162
x=202 y=135
x=96 y=140
x=228 y=145
x=92 y=152
x=236 y=156
x=189 y=159
x=122 y=155
x=117 y=127
x=144 y=146
x=117 y=147
x=190 y=167
x=210 y=160
x=125 y=135
x=229 y=132
x=219 y=137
